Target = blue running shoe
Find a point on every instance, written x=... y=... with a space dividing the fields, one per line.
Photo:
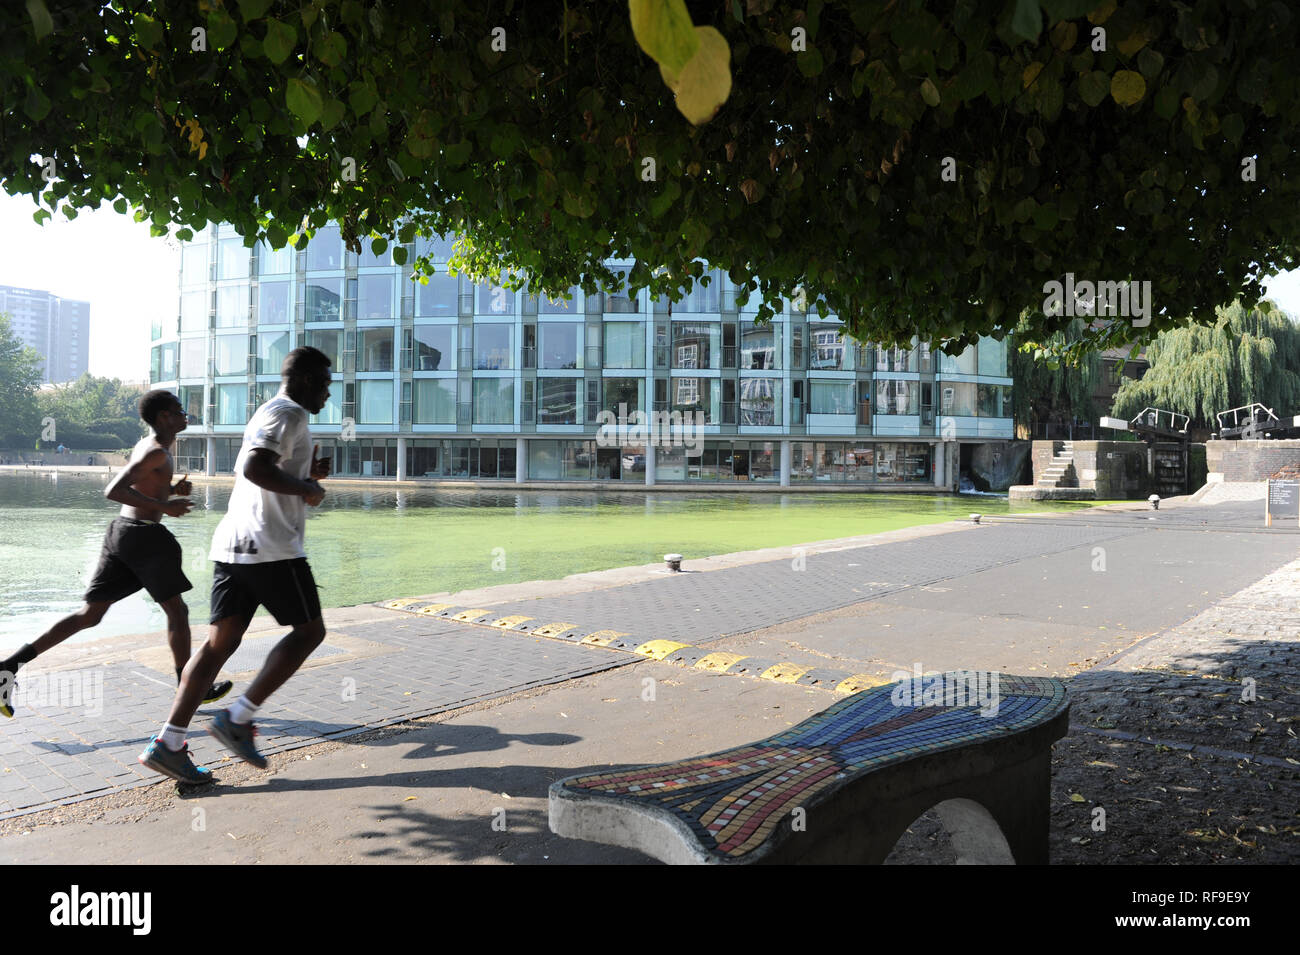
x=237 y=737
x=175 y=763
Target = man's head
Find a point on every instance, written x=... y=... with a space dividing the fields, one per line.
x=306 y=377
x=162 y=411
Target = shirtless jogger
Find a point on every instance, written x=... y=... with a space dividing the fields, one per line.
x=138 y=550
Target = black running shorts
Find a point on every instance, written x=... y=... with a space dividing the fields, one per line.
x=138 y=554
x=285 y=588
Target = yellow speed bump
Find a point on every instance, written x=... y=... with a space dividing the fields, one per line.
x=435 y=608
x=602 y=638
x=719 y=661
x=658 y=649
x=404 y=602
x=469 y=616
x=552 y=629
x=784 y=672
x=857 y=682
x=507 y=622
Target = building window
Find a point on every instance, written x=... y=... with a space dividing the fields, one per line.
x=232 y=404
x=760 y=346
x=332 y=413
x=494 y=400
x=194 y=355
x=627 y=394
x=326 y=341
x=324 y=300
x=434 y=348
x=963 y=364
x=194 y=311
x=232 y=355
x=698 y=396
x=957 y=398
x=435 y=401
x=492 y=347
x=828 y=350
x=992 y=357
x=696 y=345
x=440 y=298
x=325 y=250
x=194 y=263
x=560 y=344
x=559 y=401
x=494 y=300
x=375 y=402
x=274 y=261
x=760 y=401
x=232 y=259
x=830 y=397
x=273 y=303
x=624 y=345
x=375 y=297
x=376 y=353
x=897 y=397
x=272 y=349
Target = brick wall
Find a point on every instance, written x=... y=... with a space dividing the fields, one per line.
x=1250 y=460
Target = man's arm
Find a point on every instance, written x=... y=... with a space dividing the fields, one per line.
x=120 y=491
x=261 y=468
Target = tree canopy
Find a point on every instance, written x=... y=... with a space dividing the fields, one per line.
x=1246 y=355
x=20 y=374
x=915 y=167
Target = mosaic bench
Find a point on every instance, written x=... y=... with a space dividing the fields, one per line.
x=842 y=786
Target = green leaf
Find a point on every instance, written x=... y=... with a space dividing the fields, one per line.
x=456 y=154
x=810 y=62
x=398 y=172
x=1233 y=127
x=253 y=9
x=1093 y=87
x=221 y=30
x=42 y=24
x=332 y=48
x=280 y=40
x=276 y=235
x=120 y=207
x=331 y=113
x=304 y=100
x=929 y=92
x=148 y=31
x=1166 y=102
x=40 y=215
x=1150 y=62
x=379 y=246
x=581 y=206
x=362 y=98
x=1027 y=21
x=1127 y=87
x=664 y=30
x=36 y=104
x=399 y=255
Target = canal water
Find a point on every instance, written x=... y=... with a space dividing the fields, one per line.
x=372 y=543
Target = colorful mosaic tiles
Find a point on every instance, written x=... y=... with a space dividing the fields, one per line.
x=733 y=801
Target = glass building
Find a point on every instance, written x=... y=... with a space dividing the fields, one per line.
x=455 y=381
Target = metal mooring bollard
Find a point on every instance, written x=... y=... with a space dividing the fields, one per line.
x=1154 y=501
x=674 y=561
x=975 y=518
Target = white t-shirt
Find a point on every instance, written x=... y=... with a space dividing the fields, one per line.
x=260 y=525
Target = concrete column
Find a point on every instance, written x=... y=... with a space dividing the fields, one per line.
x=401 y=459
x=787 y=456
x=940 y=465
x=649 y=464
x=210 y=457
x=521 y=460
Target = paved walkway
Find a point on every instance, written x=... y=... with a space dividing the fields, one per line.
x=1083 y=589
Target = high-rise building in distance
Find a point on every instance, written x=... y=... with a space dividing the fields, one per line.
x=58 y=328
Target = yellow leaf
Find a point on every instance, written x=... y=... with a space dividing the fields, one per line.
x=705 y=82
x=1127 y=87
x=663 y=29
x=1102 y=13
x=1134 y=42
x=1075 y=797
x=408 y=799
x=1031 y=73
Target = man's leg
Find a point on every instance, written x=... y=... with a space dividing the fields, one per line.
x=284 y=660
x=179 y=639
x=89 y=616
x=197 y=677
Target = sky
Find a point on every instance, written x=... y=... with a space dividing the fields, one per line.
x=130 y=279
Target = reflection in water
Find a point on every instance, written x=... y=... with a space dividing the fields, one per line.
x=369 y=544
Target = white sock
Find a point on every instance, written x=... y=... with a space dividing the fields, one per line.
x=173 y=737
x=242 y=711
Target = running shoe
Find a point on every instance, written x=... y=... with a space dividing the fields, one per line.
x=237 y=737
x=7 y=686
x=217 y=691
x=174 y=763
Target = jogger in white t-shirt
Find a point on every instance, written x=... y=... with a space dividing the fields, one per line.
x=260 y=561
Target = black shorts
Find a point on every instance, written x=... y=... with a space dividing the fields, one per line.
x=285 y=588
x=138 y=554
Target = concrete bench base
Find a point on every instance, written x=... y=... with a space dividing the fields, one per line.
x=842 y=786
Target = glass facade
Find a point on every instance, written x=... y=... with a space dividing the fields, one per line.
x=457 y=379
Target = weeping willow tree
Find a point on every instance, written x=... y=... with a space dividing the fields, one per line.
x=1049 y=390
x=1247 y=355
